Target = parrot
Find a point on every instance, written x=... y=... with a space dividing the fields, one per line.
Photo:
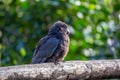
x=54 y=46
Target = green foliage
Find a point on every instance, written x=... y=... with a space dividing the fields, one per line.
x=94 y=26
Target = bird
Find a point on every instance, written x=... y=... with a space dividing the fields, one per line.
x=54 y=46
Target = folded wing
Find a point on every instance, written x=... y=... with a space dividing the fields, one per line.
x=44 y=51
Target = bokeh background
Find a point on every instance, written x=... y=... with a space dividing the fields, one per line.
x=94 y=26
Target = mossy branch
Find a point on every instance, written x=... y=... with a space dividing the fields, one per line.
x=82 y=70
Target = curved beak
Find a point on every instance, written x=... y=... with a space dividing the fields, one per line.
x=68 y=31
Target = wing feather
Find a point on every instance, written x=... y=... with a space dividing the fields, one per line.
x=45 y=50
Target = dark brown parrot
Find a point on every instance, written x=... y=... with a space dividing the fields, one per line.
x=54 y=46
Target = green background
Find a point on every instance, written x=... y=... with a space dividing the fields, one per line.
x=94 y=26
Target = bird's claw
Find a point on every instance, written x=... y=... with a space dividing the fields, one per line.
x=56 y=63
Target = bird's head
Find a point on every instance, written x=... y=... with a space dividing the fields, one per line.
x=59 y=27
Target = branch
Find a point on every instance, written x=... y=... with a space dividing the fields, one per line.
x=85 y=70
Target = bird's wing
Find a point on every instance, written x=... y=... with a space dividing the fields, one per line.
x=45 y=50
x=42 y=41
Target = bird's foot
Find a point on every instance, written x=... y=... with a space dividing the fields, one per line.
x=56 y=62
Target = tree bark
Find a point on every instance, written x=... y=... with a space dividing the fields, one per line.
x=70 y=70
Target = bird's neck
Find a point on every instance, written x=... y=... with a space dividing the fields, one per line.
x=59 y=36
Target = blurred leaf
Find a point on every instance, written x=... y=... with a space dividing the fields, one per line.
x=22 y=51
x=0 y=46
x=117 y=6
x=6 y=2
x=25 y=5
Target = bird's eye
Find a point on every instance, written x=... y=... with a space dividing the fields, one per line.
x=65 y=26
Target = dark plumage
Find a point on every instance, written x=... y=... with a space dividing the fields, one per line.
x=54 y=46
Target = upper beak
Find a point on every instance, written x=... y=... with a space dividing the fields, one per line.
x=68 y=31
